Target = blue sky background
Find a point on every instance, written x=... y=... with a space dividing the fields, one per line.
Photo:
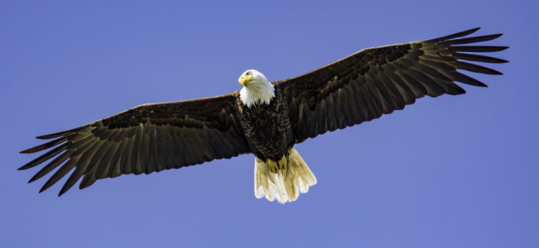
x=448 y=172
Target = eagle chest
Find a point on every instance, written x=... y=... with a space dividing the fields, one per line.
x=264 y=121
x=267 y=128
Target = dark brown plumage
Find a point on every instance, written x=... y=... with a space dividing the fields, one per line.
x=145 y=139
x=358 y=88
x=269 y=137
x=376 y=81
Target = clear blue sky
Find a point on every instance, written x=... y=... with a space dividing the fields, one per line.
x=456 y=171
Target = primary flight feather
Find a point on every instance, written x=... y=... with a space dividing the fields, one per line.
x=263 y=118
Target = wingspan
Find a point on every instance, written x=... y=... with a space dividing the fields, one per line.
x=377 y=81
x=148 y=138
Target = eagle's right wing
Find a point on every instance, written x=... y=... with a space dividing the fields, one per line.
x=376 y=81
x=144 y=139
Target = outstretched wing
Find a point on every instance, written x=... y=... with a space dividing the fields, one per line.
x=145 y=139
x=376 y=81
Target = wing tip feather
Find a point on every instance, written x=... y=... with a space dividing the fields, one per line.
x=28 y=151
x=62 y=192
x=43 y=189
x=483 y=85
x=459 y=34
x=48 y=136
x=473 y=30
x=28 y=165
x=463 y=33
x=497 y=35
x=33 y=179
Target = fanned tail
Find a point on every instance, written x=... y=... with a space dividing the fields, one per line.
x=283 y=180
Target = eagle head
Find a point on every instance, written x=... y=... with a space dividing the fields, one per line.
x=251 y=77
x=256 y=88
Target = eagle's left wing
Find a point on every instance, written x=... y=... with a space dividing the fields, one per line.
x=146 y=139
x=377 y=81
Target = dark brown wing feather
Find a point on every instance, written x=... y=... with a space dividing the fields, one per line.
x=376 y=81
x=145 y=139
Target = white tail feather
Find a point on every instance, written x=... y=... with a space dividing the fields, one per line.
x=284 y=185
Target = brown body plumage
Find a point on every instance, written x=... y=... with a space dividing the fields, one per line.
x=267 y=128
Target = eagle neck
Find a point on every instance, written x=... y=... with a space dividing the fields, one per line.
x=257 y=93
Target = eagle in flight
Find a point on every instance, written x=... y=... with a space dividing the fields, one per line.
x=265 y=118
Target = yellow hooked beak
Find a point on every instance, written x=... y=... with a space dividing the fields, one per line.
x=244 y=79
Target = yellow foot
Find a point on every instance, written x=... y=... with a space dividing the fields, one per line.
x=281 y=165
x=273 y=166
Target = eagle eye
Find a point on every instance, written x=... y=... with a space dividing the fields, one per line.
x=248 y=73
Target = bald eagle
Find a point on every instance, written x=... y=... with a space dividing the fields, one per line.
x=263 y=118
